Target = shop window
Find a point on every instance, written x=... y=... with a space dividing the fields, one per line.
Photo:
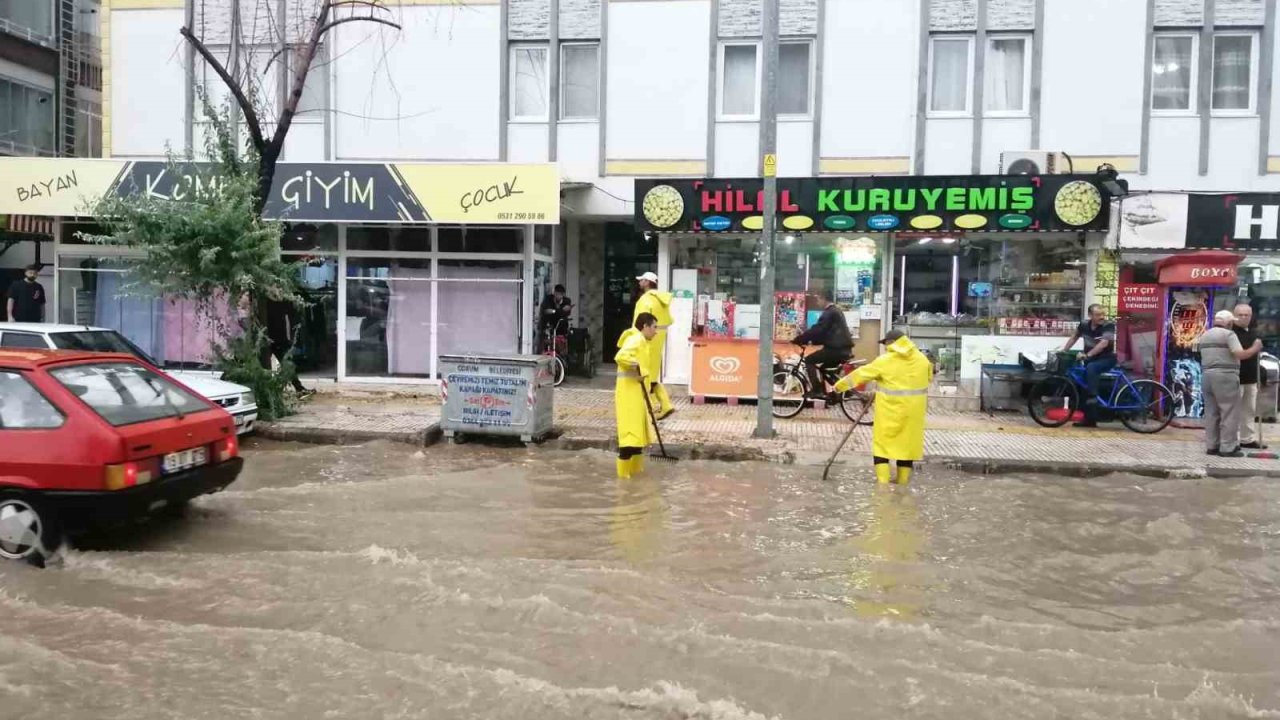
x=580 y=81
x=480 y=307
x=480 y=240
x=315 y=338
x=388 y=318
x=1234 y=63
x=1007 y=76
x=388 y=238
x=308 y=238
x=950 y=67
x=739 y=80
x=544 y=239
x=1173 y=72
x=529 y=82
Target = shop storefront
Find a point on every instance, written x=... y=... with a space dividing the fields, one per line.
x=399 y=263
x=976 y=268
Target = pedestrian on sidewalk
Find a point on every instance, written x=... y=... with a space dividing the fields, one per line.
x=282 y=334
x=1099 y=336
x=658 y=304
x=630 y=403
x=1220 y=356
x=1249 y=437
x=902 y=376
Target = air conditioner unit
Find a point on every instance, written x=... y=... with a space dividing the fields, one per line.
x=1032 y=162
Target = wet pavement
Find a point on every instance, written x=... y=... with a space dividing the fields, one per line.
x=380 y=581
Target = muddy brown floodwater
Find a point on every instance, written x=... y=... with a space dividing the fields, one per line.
x=380 y=582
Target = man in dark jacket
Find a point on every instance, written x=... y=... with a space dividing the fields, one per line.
x=555 y=308
x=832 y=333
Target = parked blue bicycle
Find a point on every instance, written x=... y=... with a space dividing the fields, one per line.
x=1144 y=406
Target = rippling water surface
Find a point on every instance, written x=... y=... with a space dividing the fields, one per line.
x=380 y=582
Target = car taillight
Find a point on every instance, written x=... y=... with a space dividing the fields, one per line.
x=226 y=449
x=127 y=475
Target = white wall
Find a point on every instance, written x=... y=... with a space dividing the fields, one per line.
x=869 y=78
x=527 y=142
x=999 y=135
x=429 y=92
x=147 y=82
x=795 y=148
x=1093 y=71
x=737 y=149
x=578 y=150
x=948 y=147
x=658 y=72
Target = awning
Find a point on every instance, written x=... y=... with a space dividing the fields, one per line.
x=27 y=224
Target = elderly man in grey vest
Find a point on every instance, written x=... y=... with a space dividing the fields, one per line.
x=1220 y=356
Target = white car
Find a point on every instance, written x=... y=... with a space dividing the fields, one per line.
x=235 y=399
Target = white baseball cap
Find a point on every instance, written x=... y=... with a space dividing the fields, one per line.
x=651 y=277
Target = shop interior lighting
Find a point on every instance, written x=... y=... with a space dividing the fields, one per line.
x=924 y=241
x=948 y=241
x=789 y=239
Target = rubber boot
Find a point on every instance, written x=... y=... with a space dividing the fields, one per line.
x=624 y=468
x=882 y=473
x=904 y=475
x=637 y=464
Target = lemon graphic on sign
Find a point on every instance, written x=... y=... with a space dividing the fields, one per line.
x=663 y=206
x=1077 y=203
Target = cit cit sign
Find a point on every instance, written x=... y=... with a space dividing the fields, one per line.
x=1139 y=297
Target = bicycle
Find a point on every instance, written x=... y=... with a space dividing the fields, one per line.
x=791 y=390
x=556 y=344
x=1144 y=406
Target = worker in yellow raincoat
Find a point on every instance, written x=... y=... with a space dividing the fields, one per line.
x=902 y=376
x=629 y=394
x=657 y=304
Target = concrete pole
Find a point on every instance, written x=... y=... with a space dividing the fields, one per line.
x=768 y=169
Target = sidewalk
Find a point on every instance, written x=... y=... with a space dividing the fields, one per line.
x=978 y=442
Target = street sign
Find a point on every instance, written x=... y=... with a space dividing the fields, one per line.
x=771 y=165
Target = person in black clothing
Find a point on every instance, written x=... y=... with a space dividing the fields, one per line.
x=1249 y=437
x=1099 y=335
x=832 y=333
x=555 y=307
x=26 y=297
x=282 y=332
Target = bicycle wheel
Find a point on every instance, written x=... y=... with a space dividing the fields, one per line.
x=852 y=404
x=789 y=389
x=558 y=369
x=1145 y=407
x=1053 y=401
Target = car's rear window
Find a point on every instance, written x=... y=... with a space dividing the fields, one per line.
x=124 y=393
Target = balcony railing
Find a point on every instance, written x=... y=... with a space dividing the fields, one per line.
x=26 y=33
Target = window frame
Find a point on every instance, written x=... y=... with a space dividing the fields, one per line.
x=1193 y=88
x=1254 y=63
x=1028 y=48
x=595 y=115
x=753 y=116
x=26 y=378
x=967 y=112
x=809 y=73
x=512 y=49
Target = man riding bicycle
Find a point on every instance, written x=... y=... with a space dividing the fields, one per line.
x=832 y=333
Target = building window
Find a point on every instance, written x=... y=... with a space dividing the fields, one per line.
x=580 y=81
x=1007 y=77
x=311 y=105
x=950 y=67
x=88 y=129
x=530 y=84
x=35 y=16
x=794 y=78
x=1173 y=72
x=26 y=119
x=1234 y=60
x=739 y=80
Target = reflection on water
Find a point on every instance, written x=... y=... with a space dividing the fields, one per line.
x=384 y=582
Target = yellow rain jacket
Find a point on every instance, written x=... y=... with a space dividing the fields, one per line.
x=633 y=361
x=658 y=304
x=902 y=377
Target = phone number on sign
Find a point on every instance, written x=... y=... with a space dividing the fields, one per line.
x=521 y=216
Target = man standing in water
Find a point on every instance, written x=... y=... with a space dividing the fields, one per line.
x=1248 y=378
x=902 y=376
x=630 y=404
x=657 y=304
x=1220 y=356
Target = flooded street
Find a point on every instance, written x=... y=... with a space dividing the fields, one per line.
x=471 y=582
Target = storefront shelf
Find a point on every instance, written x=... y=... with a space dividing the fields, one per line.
x=1033 y=288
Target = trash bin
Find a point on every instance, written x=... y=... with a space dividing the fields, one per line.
x=1269 y=386
x=508 y=395
x=1002 y=387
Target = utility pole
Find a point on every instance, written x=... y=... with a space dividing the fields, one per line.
x=769 y=171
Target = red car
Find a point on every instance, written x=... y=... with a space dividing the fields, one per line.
x=92 y=439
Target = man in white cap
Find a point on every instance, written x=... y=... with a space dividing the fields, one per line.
x=1220 y=356
x=658 y=304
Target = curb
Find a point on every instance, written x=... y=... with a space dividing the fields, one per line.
x=323 y=436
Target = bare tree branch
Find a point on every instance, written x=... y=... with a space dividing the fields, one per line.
x=246 y=107
x=359 y=18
